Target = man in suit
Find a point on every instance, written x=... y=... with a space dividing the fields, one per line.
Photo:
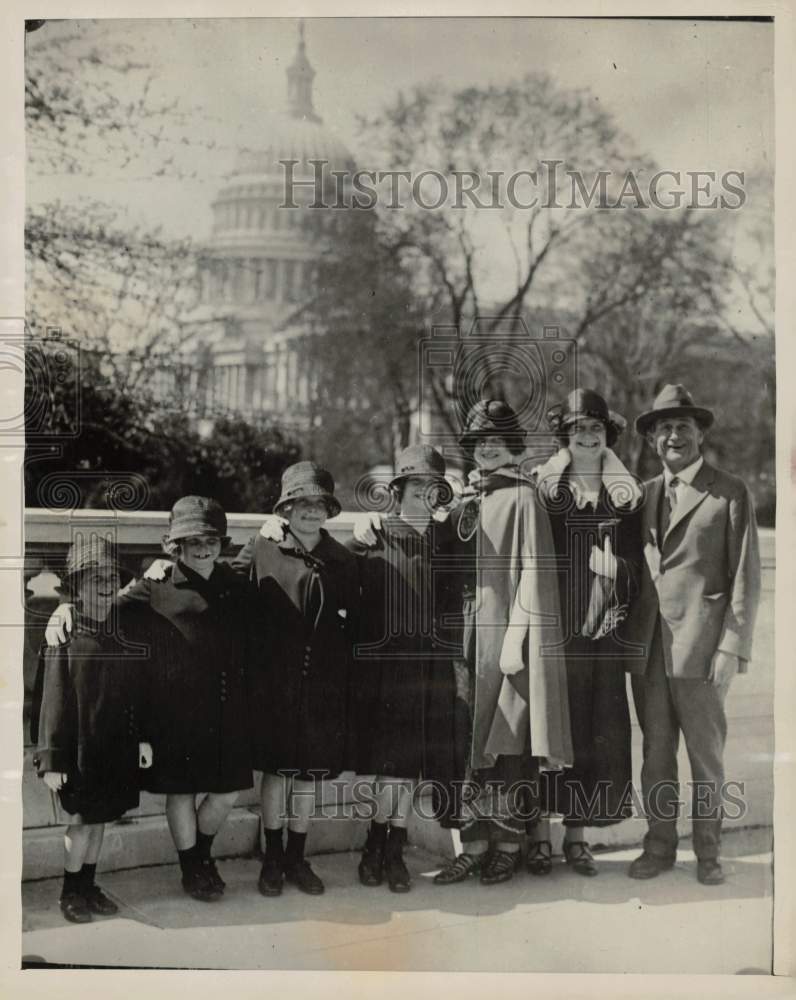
x=694 y=619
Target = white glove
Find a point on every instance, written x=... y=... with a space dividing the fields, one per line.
x=145 y=755
x=511 y=661
x=602 y=560
x=54 y=780
x=59 y=627
x=366 y=526
x=274 y=528
x=158 y=569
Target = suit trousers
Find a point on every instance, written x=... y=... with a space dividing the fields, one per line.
x=666 y=706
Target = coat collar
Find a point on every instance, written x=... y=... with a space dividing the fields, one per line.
x=692 y=495
x=617 y=481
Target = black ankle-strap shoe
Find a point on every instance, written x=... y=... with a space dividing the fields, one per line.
x=499 y=868
x=459 y=869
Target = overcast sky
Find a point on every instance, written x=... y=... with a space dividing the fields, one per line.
x=693 y=95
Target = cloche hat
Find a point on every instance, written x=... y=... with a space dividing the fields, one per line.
x=306 y=480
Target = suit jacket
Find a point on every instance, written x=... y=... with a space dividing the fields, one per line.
x=702 y=580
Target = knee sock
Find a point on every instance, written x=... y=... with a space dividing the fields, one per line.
x=204 y=844
x=73 y=883
x=87 y=873
x=273 y=844
x=295 y=847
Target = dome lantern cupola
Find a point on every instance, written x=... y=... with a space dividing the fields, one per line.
x=300 y=75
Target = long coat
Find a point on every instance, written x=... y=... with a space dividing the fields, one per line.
x=527 y=712
x=197 y=629
x=404 y=681
x=595 y=790
x=702 y=578
x=90 y=720
x=306 y=608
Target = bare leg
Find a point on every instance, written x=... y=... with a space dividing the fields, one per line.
x=181 y=816
x=302 y=805
x=214 y=810
x=76 y=844
x=96 y=834
x=273 y=798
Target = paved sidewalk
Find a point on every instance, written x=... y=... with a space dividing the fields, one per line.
x=559 y=923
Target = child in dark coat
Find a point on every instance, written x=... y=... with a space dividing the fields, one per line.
x=196 y=624
x=89 y=725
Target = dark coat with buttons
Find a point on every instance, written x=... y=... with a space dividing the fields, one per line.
x=88 y=718
x=307 y=611
x=405 y=691
x=198 y=631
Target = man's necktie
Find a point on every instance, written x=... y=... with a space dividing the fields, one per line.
x=669 y=504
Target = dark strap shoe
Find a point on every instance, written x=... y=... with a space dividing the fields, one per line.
x=459 y=869
x=648 y=865
x=213 y=875
x=579 y=857
x=304 y=878
x=271 y=877
x=709 y=871
x=98 y=902
x=371 y=868
x=398 y=877
x=499 y=868
x=539 y=860
x=198 y=886
x=75 y=908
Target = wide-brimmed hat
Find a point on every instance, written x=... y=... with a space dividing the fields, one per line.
x=492 y=417
x=584 y=403
x=304 y=481
x=673 y=401
x=192 y=516
x=419 y=460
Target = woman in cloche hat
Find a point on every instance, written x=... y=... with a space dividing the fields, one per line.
x=89 y=723
x=307 y=601
x=593 y=505
x=520 y=719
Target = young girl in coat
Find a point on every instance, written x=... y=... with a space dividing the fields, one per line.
x=89 y=726
x=196 y=624
x=404 y=682
x=307 y=600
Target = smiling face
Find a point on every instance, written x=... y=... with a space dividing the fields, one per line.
x=307 y=515
x=492 y=452
x=420 y=496
x=96 y=591
x=677 y=441
x=587 y=440
x=200 y=552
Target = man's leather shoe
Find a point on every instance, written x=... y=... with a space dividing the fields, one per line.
x=709 y=871
x=648 y=865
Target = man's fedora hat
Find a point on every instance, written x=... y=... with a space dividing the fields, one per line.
x=492 y=418
x=673 y=401
x=584 y=403
x=419 y=460
x=305 y=481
